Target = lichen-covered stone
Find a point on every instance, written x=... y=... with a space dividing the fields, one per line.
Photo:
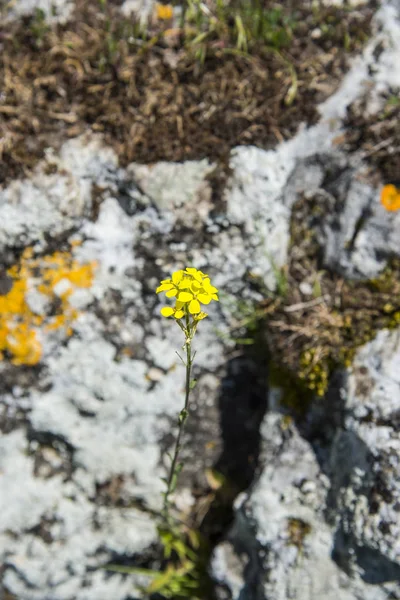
x=365 y=465
x=87 y=425
x=322 y=520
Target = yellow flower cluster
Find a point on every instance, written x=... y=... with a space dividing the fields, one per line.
x=190 y=288
x=19 y=324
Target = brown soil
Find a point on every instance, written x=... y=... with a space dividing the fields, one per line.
x=154 y=101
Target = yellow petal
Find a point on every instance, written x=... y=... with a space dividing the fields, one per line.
x=185 y=297
x=172 y=293
x=179 y=314
x=194 y=307
x=177 y=277
x=204 y=298
x=184 y=284
x=167 y=311
x=163 y=287
x=179 y=305
x=194 y=273
x=215 y=297
x=200 y=316
x=208 y=287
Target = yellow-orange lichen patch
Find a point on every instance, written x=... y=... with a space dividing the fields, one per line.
x=55 y=276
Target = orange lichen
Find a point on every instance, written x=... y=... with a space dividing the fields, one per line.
x=56 y=276
x=390 y=197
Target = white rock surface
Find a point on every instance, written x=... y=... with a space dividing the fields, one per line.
x=52 y=204
x=54 y=11
x=102 y=412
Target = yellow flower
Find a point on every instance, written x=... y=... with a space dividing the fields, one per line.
x=168 y=311
x=390 y=197
x=190 y=288
x=164 y=12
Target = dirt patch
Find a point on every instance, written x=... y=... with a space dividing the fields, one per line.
x=149 y=94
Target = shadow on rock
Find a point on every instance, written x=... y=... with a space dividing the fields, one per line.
x=242 y=405
x=374 y=567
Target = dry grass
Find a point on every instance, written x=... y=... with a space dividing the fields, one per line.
x=147 y=93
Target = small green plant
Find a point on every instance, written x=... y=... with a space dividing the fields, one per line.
x=39 y=26
x=190 y=288
x=184 y=572
x=246 y=326
x=281 y=278
x=184 y=552
x=391 y=105
x=235 y=26
x=183 y=575
x=270 y=26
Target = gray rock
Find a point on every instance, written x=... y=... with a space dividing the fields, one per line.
x=177 y=187
x=365 y=465
x=359 y=237
x=95 y=420
x=326 y=525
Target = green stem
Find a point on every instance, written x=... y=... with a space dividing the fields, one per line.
x=183 y=415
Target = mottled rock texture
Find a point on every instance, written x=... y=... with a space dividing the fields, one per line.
x=86 y=428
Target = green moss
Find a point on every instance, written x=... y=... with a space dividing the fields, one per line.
x=295 y=394
x=313 y=372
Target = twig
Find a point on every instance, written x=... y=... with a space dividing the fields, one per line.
x=376 y=148
x=304 y=305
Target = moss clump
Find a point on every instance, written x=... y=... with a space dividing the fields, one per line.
x=296 y=396
x=314 y=373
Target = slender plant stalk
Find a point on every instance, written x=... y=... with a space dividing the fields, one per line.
x=183 y=415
